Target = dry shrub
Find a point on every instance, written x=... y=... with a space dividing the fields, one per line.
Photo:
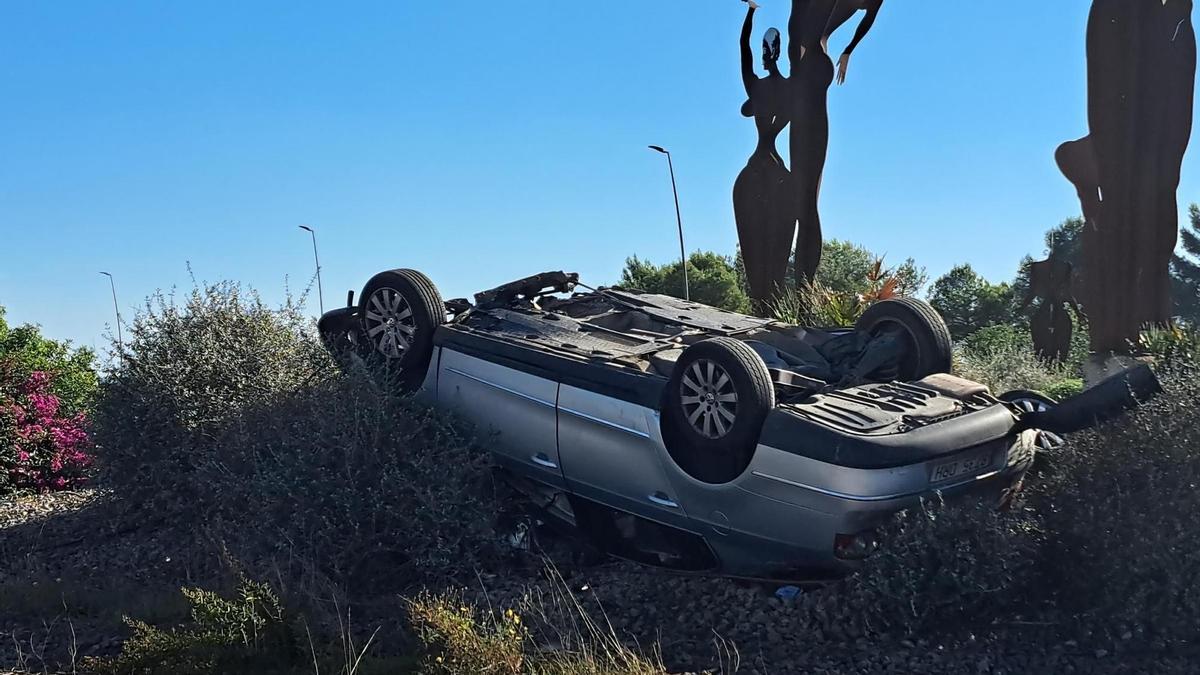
x=248 y=634
x=944 y=564
x=229 y=413
x=1119 y=504
x=548 y=635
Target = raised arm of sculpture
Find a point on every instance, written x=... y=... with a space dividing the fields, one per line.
x=748 y=75
x=872 y=8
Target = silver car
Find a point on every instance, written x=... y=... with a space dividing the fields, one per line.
x=677 y=434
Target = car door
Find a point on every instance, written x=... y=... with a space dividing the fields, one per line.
x=518 y=409
x=610 y=454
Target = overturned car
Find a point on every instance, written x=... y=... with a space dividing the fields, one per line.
x=676 y=434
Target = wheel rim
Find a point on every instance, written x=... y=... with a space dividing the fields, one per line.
x=389 y=322
x=1031 y=405
x=709 y=399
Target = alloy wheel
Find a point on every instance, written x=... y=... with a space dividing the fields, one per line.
x=709 y=399
x=389 y=323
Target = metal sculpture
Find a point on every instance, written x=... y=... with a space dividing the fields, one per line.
x=1050 y=282
x=763 y=192
x=775 y=207
x=812 y=23
x=1141 y=81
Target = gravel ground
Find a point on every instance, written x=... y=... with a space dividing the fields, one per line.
x=72 y=564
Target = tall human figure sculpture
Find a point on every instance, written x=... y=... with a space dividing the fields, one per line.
x=1141 y=81
x=1050 y=283
x=763 y=192
x=812 y=23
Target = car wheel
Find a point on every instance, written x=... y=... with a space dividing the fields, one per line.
x=399 y=312
x=714 y=406
x=1029 y=401
x=924 y=332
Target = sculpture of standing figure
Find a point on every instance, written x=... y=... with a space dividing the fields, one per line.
x=1052 y=325
x=812 y=23
x=762 y=195
x=1141 y=81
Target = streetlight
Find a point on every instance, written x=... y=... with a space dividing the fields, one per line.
x=687 y=293
x=320 y=293
x=116 y=309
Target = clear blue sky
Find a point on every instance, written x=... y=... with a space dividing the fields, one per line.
x=482 y=141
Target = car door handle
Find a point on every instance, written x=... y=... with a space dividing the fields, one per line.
x=663 y=500
x=542 y=460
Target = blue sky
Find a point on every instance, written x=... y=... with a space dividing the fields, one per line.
x=483 y=141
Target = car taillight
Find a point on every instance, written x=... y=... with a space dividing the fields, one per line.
x=854 y=546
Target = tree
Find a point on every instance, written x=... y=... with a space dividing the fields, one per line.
x=712 y=278
x=1063 y=242
x=1185 y=269
x=845 y=268
x=24 y=351
x=969 y=302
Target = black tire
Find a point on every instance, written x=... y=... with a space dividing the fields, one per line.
x=702 y=439
x=1029 y=401
x=928 y=338
x=404 y=345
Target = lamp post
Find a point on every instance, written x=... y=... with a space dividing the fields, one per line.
x=687 y=293
x=320 y=293
x=116 y=309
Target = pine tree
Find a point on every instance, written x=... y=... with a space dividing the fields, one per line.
x=1185 y=269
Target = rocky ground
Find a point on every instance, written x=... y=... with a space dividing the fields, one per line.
x=72 y=564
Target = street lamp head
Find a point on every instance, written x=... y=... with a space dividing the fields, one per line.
x=106 y=274
x=659 y=148
x=305 y=227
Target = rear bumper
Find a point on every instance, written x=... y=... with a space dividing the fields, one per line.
x=812 y=504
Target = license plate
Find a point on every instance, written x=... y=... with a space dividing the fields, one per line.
x=960 y=468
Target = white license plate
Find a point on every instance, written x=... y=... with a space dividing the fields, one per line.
x=960 y=468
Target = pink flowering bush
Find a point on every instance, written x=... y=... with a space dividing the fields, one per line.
x=42 y=447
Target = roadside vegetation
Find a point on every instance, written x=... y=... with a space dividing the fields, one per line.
x=246 y=507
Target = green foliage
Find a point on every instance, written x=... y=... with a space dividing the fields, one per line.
x=1002 y=357
x=1176 y=344
x=1119 y=504
x=24 y=351
x=456 y=638
x=944 y=562
x=968 y=302
x=814 y=304
x=224 y=408
x=1065 y=243
x=249 y=634
x=1185 y=269
x=712 y=278
x=846 y=269
x=189 y=370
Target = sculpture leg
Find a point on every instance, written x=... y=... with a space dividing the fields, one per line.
x=765 y=229
x=809 y=145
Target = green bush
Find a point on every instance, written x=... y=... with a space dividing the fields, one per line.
x=964 y=560
x=24 y=351
x=227 y=412
x=190 y=369
x=1002 y=357
x=457 y=638
x=968 y=302
x=1119 y=506
x=712 y=279
x=1175 y=344
x=250 y=634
